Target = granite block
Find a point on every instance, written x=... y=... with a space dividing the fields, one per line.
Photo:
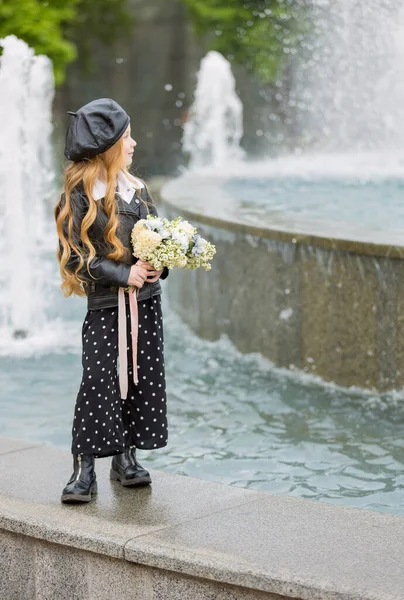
x=339 y=324
x=353 y=323
x=278 y=303
x=71 y=527
x=296 y=548
x=173 y=586
x=70 y=574
x=112 y=579
x=385 y=310
x=315 y=297
x=60 y=572
x=17 y=567
x=399 y=325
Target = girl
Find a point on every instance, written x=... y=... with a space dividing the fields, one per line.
x=99 y=206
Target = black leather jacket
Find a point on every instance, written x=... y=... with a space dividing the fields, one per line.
x=104 y=276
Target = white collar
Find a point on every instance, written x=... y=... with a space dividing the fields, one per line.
x=126 y=187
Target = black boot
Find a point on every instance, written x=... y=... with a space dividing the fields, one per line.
x=83 y=482
x=126 y=469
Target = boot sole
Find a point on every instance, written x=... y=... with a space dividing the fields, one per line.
x=78 y=498
x=139 y=482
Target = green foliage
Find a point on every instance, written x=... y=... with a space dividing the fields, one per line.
x=260 y=34
x=40 y=24
x=63 y=28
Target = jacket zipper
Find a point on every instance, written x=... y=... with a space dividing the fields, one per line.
x=79 y=472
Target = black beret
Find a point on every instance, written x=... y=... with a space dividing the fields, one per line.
x=94 y=128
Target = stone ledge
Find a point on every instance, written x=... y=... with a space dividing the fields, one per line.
x=253 y=540
x=38 y=570
x=332 y=235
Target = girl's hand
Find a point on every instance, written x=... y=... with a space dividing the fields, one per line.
x=137 y=275
x=152 y=274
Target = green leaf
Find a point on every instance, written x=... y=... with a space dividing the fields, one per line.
x=57 y=28
x=253 y=32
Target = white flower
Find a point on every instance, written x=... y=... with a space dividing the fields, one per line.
x=145 y=243
x=180 y=237
x=153 y=223
x=187 y=228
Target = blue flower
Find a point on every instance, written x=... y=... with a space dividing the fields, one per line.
x=199 y=245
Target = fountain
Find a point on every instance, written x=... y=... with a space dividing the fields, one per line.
x=348 y=88
x=325 y=305
x=213 y=132
x=310 y=242
x=26 y=178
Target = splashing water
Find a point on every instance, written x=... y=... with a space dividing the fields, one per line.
x=212 y=134
x=26 y=176
x=348 y=89
x=341 y=118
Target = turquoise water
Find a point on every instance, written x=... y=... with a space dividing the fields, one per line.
x=377 y=203
x=232 y=418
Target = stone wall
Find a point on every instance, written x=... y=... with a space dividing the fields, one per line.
x=328 y=306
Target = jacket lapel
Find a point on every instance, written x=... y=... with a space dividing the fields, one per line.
x=136 y=207
x=131 y=208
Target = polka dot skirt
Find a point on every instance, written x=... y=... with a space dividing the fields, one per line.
x=104 y=423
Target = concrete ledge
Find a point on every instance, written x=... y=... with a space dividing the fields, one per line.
x=184 y=538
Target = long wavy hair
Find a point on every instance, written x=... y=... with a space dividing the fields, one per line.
x=105 y=166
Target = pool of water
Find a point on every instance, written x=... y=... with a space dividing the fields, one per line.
x=233 y=418
x=376 y=203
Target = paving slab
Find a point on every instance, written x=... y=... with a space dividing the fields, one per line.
x=31 y=482
x=293 y=547
x=8 y=445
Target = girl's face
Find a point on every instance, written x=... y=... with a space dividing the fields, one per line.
x=129 y=145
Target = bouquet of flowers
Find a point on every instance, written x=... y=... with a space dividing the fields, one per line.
x=162 y=243
x=170 y=244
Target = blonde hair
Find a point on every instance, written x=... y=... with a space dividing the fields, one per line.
x=107 y=166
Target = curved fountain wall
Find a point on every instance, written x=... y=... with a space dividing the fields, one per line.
x=297 y=293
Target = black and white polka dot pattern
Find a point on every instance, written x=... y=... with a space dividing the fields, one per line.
x=103 y=422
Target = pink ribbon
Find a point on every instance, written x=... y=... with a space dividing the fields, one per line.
x=122 y=338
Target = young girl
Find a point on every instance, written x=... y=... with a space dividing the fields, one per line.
x=100 y=204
